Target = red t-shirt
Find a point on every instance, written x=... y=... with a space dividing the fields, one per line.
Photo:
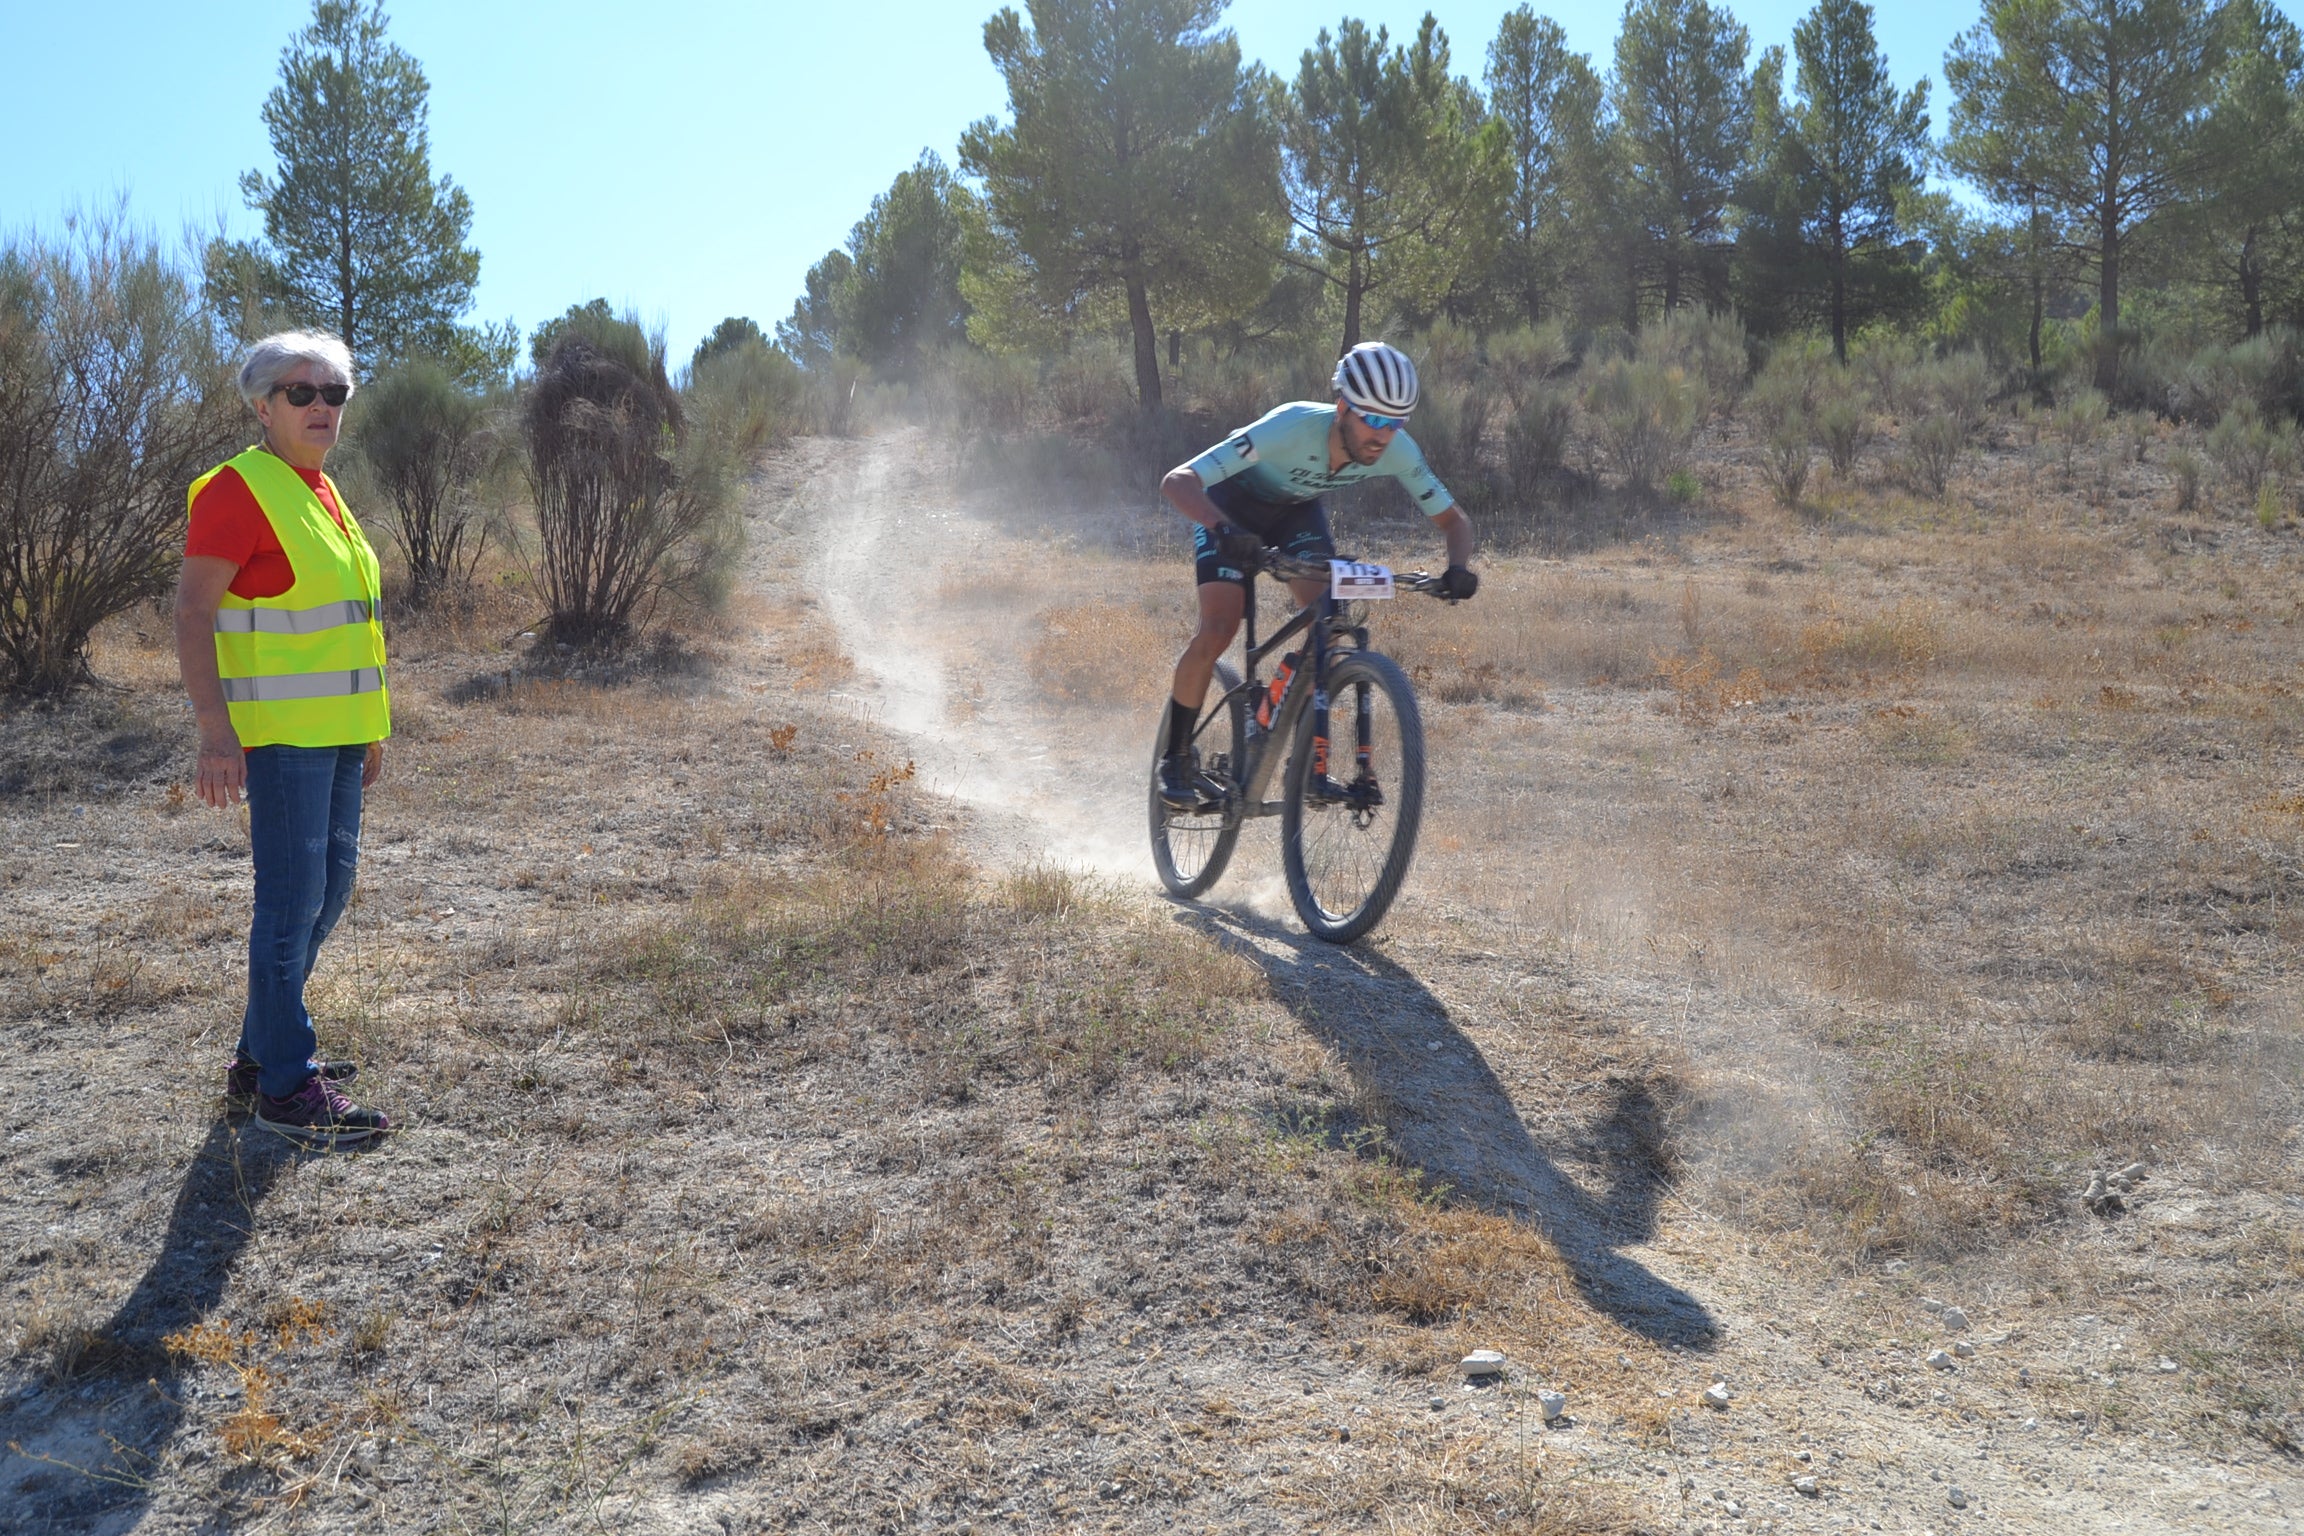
x=228 y=524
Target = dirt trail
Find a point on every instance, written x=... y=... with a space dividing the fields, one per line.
x=1828 y=1373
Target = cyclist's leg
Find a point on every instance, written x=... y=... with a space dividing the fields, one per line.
x=1223 y=592
x=1305 y=535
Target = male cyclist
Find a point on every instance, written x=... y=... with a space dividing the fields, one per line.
x=1260 y=489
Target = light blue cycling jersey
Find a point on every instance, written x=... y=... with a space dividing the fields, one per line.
x=1282 y=457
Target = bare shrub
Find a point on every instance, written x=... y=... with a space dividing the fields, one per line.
x=2248 y=448
x=748 y=397
x=1234 y=389
x=1932 y=448
x=1887 y=364
x=112 y=400
x=629 y=503
x=833 y=388
x=1647 y=414
x=424 y=439
x=2201 y=387
x=1086 y=384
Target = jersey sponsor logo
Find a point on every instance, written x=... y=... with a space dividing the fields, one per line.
x=1246 y=448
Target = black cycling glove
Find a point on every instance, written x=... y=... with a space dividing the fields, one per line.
x=1459 y=582
x=1237 y=544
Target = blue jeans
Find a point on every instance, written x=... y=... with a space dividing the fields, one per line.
x=304 y=829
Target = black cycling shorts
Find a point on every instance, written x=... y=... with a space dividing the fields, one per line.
x=1299 y=529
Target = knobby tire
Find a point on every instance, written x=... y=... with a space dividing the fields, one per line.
x=1343 y=875
x=1191 y=848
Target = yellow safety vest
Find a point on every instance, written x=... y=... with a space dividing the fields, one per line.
x=306 y=668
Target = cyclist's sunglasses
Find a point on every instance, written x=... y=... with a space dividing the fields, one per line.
x=1380 y=423
x=302 y=395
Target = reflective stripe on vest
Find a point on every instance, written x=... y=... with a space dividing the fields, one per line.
x=302 y=685
x=293 y=621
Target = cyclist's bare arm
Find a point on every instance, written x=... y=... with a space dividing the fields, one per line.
x=1185 y=493
x=1456 y=528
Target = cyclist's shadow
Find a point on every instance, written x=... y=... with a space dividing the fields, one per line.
x=1453 y=1118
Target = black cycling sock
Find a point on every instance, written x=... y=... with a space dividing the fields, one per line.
x=1181 y=718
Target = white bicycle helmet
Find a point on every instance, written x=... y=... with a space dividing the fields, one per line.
x=1377 y=377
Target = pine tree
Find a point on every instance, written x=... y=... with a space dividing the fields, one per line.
x=1684 y=114
x=901 y=296
x=1857 y=145
x=362 y=241
x=1393 y=184
x=2097 y=113
x=1138 y=163
x=1546 y=98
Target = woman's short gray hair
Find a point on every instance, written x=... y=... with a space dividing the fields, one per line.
x=276 y=356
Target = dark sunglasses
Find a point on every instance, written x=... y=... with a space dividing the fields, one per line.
x=1380 y=423
x=302 y=395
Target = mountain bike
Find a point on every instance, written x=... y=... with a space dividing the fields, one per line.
x=1347 y=822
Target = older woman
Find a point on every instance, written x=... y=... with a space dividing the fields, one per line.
x=280 y=642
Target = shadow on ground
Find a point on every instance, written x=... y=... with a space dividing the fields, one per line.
x=1452 y=1118
x=83 y=1450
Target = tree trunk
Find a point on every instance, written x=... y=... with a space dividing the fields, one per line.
x=1840 y=301
x=1671 y=279
x=1147 y=346
x=2108 y=309
x=2039 y=313
x=1175 y=348
x=1352 y=293
x=2251 y=283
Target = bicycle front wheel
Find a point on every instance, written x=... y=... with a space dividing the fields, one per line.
x=1348 y=826
x=1191 y=848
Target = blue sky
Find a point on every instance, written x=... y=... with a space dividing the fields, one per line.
x=690 y=160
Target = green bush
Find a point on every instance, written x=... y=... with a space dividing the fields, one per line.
x=1535 y=439
x=1451 y=427
x=1646 y=414
x=1710 y=348
x=630 y=503
x=1843 y=428
x=748 y=396
x=2248 y=448
x=1523 y=360
x=2077 y=424
x=425 y=440
x=1932 y=448
x=2184 y=468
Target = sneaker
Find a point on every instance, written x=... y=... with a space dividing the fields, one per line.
x=318 y=1116
x=240 y=1079
x=1181 y=787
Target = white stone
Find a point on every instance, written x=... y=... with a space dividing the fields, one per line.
x=1940 y=1360
x=1716 y=1395
x=1553 y=1405
x=2166 y=1365
x=1954 y=1319
x=1964 y=1350
x=1481 y=1362
x=1930 y=1304
x=1804 y=1485
x=1958 y=1497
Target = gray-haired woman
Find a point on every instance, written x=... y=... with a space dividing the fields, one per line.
x=280 y=641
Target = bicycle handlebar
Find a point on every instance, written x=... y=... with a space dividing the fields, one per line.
x=1290 y=568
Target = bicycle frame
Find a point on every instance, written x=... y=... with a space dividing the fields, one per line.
x=1267 y=750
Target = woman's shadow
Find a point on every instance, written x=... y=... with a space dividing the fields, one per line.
x=123 y=1398
x=1452 y=1118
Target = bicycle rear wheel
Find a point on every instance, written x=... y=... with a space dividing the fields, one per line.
x=1191 y=848
x=1346 y=836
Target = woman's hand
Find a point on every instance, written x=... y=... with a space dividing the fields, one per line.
x=223 y=769
x=372 y=766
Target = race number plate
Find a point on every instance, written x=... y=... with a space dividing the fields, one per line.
x=1351 y=579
